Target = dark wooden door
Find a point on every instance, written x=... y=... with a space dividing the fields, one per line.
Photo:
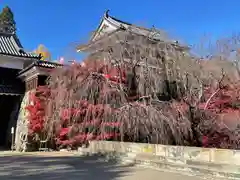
x=7 y=103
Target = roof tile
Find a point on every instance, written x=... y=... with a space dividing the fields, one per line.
x=10 y=45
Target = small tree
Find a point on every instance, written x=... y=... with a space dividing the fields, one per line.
x=122 y=86
x=45 y=54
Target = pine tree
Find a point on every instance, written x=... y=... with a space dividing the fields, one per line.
x=7 y=22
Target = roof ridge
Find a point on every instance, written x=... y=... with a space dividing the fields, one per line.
x=153 y=29
x=106 y=15
x=49 y=62
x=153 y=32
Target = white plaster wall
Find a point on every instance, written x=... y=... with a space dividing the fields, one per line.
x=11 y=62
x=109 y=29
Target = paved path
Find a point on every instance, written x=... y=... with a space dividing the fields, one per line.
x=16 y=167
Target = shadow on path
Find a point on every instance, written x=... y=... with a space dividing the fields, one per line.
x=57 y=168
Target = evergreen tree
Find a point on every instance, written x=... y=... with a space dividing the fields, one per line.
x=7 y=22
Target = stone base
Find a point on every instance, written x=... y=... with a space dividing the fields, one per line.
x=21 y=138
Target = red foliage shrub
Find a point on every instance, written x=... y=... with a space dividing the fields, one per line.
x=67 y=137
x=36 y=110
x=224 y=107
x=92 y=103
x=87 y=100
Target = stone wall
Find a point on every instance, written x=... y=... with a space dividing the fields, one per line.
x=22 y=125
x=190 y=160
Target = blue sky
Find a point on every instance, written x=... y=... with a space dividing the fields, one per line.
x=60 y=25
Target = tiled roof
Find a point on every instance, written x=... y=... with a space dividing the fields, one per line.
x=117 y=23
x=41 y=63
x=152 y=32
x=11 y=46
x=11 y=90
x=47 y=64
x=110 y=25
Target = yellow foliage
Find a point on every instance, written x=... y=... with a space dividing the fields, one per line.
x=44 y=52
